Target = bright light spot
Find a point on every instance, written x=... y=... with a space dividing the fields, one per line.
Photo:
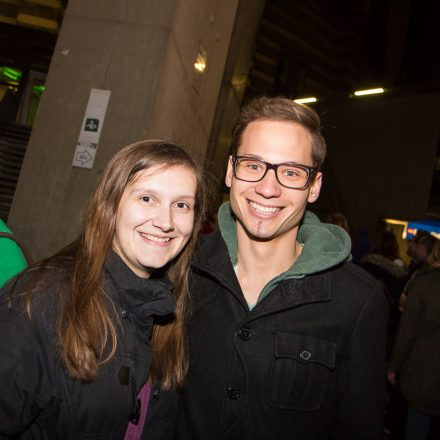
x=305 y=100
x=200 y=64
x=200 y=67
x=369 y=91
x=10 y=73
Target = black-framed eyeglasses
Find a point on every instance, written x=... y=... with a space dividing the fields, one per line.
x=290 y=174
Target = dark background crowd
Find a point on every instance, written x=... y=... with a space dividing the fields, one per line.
x=412 y=291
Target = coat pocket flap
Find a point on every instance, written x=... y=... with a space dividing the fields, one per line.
x=305 y=349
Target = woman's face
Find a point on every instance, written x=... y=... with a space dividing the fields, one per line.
x=155 y=218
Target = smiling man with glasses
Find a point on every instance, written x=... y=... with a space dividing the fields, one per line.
x=286 y=337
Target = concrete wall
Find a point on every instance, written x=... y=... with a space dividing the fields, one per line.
x=234 y=83
x=144 y=52
x=186 y=100
x=381 y=157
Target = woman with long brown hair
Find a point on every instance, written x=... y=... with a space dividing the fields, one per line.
x=88 y=335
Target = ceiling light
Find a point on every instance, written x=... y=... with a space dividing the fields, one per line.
x=369 y=91
x=305 y=100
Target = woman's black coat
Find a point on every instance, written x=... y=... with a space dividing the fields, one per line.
x=38 y=399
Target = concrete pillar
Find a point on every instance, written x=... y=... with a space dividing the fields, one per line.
x=143 y=51
x=235 y=79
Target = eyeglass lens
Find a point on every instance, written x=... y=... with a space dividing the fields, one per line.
x=288 y=175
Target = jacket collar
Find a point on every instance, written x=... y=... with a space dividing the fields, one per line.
x=140 y=297
x=212 y=258
x=296 y=292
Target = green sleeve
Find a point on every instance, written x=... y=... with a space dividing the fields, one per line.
x=12 y=260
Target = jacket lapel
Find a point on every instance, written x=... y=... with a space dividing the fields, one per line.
x=212 y=260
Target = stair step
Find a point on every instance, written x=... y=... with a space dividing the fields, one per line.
x=14 y=139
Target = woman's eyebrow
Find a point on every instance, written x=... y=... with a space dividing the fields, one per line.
x=140 y=190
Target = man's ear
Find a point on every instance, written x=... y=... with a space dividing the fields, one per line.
x=315 y=188
x=229 y=173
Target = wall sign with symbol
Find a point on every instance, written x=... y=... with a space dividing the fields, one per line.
x=91 y=128
x=91 y=124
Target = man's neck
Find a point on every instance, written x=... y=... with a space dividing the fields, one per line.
x=261 y=261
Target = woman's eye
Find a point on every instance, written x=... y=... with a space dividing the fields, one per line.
x=182 y=205
x=146 y=199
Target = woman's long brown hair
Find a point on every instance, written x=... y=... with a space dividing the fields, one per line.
x=87 y=329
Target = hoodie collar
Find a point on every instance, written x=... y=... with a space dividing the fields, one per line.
x=324 y=245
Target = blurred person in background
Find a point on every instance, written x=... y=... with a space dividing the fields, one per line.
x=339 y=219
x=385 y=264
x=420 y=250
x=416 y=355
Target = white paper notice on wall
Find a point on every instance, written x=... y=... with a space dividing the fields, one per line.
x=91 y=128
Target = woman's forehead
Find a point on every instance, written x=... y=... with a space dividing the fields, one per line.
x=166 y=178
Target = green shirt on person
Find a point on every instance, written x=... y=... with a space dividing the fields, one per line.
x=12 y=260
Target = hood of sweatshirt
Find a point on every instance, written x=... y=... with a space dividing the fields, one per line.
x=324 y=245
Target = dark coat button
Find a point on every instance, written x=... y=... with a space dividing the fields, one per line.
x=124 y=314
x=305 y=355
x=233 y=393
x=245 y=333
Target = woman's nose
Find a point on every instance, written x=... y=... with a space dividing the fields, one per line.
x=164 y=219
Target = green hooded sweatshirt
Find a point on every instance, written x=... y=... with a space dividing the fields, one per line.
x=324 y=246
x=12 y=260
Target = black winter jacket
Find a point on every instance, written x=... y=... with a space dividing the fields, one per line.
x=416 y=354
x=38 y=400
x=307 y=362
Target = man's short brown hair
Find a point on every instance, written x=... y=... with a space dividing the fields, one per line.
x=283 y=110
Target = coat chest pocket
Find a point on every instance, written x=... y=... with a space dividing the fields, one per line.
x=299 y=371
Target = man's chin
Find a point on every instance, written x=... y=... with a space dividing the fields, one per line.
x=259 y=234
